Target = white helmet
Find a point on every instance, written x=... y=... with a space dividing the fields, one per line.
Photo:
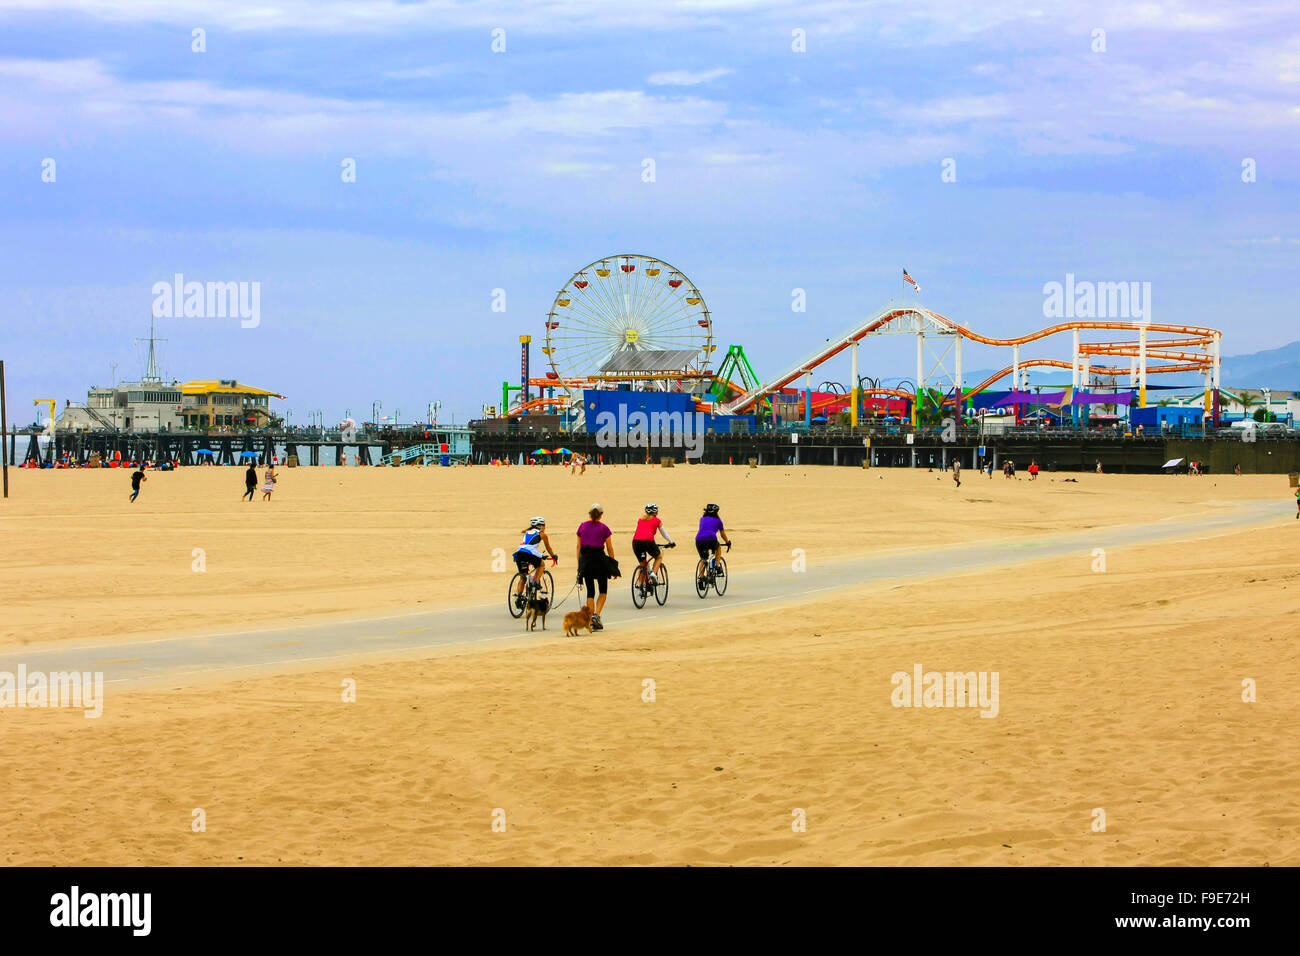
x=537 y=522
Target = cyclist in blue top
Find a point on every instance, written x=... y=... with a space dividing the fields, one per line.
x=706 y=539
x=529 y=555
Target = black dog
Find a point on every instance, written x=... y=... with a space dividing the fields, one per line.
x=537 y=607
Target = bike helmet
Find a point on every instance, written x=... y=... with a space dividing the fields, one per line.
x=652 y=509
x=711 y=509
x=537 y=522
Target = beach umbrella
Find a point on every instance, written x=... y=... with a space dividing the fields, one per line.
x=540 y=451
x=205 y=451
x=248 y=454
x=563 y=451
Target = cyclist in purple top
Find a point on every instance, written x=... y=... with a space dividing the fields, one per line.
x=706 y=539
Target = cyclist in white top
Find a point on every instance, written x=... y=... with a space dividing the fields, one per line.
x=529 y=555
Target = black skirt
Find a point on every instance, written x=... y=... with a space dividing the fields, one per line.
x=592 y=564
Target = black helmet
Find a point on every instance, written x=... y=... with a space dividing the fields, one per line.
x=711 y=509
x=652 y=509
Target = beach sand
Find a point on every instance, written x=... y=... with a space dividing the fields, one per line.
x=1119 y=691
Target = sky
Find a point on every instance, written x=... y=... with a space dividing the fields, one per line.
x=989 y=149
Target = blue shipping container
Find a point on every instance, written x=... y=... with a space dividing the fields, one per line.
x=613 y=409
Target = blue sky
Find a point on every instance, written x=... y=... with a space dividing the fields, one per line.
x=479 y=170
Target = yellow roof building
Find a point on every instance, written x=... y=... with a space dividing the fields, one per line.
x=212 y=385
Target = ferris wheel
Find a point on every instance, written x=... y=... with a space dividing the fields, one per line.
x=628 y=318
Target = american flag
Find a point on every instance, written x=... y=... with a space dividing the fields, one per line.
x=912 y=282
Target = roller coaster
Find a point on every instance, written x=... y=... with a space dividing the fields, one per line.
x=1177 y=348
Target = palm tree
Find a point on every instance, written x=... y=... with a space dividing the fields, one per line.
x=1247 y=401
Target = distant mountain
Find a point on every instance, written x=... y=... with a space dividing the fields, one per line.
x=1277 y=369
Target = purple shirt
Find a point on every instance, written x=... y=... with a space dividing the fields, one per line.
x=592 y=534
x=710 y=525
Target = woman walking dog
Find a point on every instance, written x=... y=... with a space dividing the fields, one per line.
x=596 y=563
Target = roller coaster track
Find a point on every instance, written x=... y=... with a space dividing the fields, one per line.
x=925 y=322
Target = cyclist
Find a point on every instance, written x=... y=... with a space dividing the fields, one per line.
x=706 y=539
x=529 y=555
x=643 y=540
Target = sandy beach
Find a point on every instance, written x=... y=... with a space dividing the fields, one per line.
x=1120 y=690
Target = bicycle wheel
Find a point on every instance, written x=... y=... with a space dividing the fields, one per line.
x=510 y=596
x=661 y=591
x=548 y=585
x=701 y=580
x=720 y=578
x=639 y=586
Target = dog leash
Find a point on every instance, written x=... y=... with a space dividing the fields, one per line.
x=566 y=597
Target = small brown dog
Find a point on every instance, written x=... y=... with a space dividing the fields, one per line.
x=537 y=607
x=574 y=621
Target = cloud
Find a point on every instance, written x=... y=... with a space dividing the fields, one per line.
x=687 y=78
x=433 y=72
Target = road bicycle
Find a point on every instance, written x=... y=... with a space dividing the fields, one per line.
x=542 y=586
x=643 y=587
x=713 y=574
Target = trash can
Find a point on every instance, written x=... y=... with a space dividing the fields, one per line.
x=445 y=461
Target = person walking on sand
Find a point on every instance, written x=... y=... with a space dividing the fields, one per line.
x=268 y=485
x=1033 y=469
x=1237 y=470
x=956 y=471
x=595 y=543
x=137 y=477
x=1297 y=503
x=250 y=482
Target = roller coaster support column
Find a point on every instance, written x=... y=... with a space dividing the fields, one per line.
x=920 y=374
x=1142 y=367
x=1218 y=337
x=958 y=403
x=1074 y=362
x=1015 y=368
x=807 y=401
x=857 y=392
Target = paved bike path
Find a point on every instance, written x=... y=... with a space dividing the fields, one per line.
x=238 y=654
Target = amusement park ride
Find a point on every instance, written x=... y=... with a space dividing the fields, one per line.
x=636 y=321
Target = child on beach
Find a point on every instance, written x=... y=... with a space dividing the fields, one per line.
x=137 y=477
x=268 y=485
